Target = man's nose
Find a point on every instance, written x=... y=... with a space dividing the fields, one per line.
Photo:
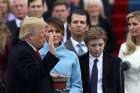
x=97 y=48
x=78 y=23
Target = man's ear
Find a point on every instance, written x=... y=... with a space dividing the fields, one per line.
x=30 y=36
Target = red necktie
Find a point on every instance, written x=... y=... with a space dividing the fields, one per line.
x=37 y=53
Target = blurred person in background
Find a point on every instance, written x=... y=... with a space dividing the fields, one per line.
x=75 y=4
x=5 y=47
x=61 y=10
x=36 y=8
x=19 y=9
x=5 y=10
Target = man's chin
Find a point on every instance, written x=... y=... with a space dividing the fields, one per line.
x=97 y=55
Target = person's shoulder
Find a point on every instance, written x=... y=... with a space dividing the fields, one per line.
x=123 y=47
x=17 y=51
x=10 y=22
x=21 y=46
x=70 y=53
x=82 y=57
x=106 y=21
x=67 y=42
x=113 y=57
x=116 y=58
x=123 y=44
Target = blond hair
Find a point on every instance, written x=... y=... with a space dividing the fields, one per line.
x=135 y=14
x=130 y=44
x=130 y=40
x=4 y=36
x=96 y=2
x=11 y=2
x=30 y=25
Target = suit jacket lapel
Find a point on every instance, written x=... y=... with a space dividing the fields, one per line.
x=30 y=49
x=70 y=46
x=106 y=66
x=68 y=33
x=86 y=64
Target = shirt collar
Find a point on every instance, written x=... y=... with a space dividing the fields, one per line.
x=100 y=58
x=32 y=46
x=18 y=22
x=65 y=24
x=74 y=42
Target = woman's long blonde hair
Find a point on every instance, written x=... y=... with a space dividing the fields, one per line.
x=4 y=35
x=130 y=44
x=130 y=41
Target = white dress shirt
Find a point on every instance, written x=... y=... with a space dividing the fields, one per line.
x=65 y=32
x=100 y=70
x=74 y=43
x=18 y=22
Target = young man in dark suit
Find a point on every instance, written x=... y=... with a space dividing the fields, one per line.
x=27 y=72
x=100 y=71
x=78 y=23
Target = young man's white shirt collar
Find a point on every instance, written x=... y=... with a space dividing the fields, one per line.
x=74 y=43
x=18 y=22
